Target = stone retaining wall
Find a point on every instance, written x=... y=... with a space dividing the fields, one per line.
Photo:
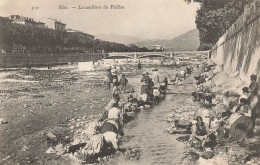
x=239 y=48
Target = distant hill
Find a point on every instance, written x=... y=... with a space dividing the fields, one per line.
x=124 y=39
x=185 y=42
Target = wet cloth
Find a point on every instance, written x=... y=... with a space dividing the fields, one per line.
x=114 y=113
x=111 y=138
x=156 y=93
x=144 y=97
x=241 y=128
x=97 y=142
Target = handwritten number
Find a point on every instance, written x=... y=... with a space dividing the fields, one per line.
x=35 y=8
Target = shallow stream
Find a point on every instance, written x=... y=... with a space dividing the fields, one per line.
x=147 y=132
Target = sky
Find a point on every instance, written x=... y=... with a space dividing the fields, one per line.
x=145 y=19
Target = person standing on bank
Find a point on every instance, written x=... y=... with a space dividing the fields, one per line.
x=109 y=79
x=139 y=65
x=254 y=86
x=155 y=78
x=123 y=82
x=115 y=88
x=254 y=98
x=177 y=63
x=114 y=73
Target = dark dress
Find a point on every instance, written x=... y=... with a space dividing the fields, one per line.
x=241 y=128
x=139 y=65
x=201 y=129
x=108 y=127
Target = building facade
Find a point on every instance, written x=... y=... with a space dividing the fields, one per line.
x=158 y=48
x=54 y=24
x=25 y=21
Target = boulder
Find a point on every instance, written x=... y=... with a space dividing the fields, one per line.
x=50 y=135
x=220 y=79
x=232 y=84
x=50 y=150
x=59 y=149
x=25 y=148
x=132 y=154
x=221 y=108
x=3 y=121
x=217 y=160
x=208 y=155
x=169 y=119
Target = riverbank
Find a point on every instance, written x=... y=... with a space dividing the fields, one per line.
x=42 y=101
x=227 y=88
x=148 y=134
x=37 y=102
x=66 y=103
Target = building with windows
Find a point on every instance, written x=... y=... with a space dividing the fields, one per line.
x=158 y=48
x=54 y=24
x=40 y=24
x=25 y=21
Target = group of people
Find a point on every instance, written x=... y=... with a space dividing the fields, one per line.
x=242 y=120
x=112 y=78
x=234 y=118
x=116 y=112
x=181 y=74
x=152 y=88
x=202 y=91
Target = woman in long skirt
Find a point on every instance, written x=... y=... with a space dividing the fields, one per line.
x=243 y=126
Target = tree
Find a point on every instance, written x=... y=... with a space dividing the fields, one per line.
x=215 y=17
x=41 y=40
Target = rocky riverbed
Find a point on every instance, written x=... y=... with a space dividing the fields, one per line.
x=41 y=101
x=44 y=111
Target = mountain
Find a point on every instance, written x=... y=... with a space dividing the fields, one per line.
x=124 y=39
x=185 y=42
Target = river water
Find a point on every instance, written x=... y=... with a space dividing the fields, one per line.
x=147 y=132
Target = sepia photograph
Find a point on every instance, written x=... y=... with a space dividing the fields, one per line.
x=130 y=82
